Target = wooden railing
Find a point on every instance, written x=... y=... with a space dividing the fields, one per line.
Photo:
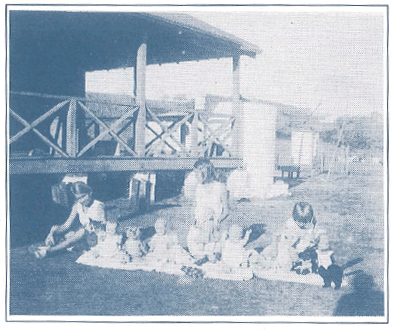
x=167 y=134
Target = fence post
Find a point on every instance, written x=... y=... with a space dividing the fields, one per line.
x=72 y=130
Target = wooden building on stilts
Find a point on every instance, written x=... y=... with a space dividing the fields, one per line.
x=55 y=129
x=49 y=54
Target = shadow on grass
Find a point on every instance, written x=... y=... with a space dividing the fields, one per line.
x=147 y=233
x=363 y=301
x=153 y=208
x=290 y=182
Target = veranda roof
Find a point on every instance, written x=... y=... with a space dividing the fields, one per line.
x=106 y=40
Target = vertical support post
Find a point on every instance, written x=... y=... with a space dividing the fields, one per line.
x=237 y=110
x=71 y=130
x=194 y=135
x=140 y=91
x=152 y=181
x=183 y=134
x=134 y=193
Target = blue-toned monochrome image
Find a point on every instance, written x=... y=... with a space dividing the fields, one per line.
x=189 y=162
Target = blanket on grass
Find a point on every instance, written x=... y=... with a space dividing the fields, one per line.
x=216 y=270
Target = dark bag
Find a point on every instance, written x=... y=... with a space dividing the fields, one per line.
x=60 y=194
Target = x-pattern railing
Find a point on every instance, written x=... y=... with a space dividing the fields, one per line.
x=219 y=135
x=114 y=129
x=32 y=127
x=167 y=135
x=209 y=135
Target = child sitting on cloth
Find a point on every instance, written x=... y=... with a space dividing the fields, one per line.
x=301 y=246
x=234 y=264
x=107 y=251
x=234 y=255
x=87 y=210
x=164 y=247
x=200 y=246
x=133 y=246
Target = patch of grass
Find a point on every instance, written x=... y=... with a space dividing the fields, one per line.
x=350 y=208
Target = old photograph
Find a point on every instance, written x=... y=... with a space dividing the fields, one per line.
x=197 y=163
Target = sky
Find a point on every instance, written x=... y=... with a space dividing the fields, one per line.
x=333 y=58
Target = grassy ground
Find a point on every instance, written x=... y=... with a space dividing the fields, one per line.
x=351 y=208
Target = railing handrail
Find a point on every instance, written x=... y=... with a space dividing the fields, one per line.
x=68 y=97
x=89 y=100
x=167 y=136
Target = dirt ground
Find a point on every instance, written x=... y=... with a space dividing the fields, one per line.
x=351 y=208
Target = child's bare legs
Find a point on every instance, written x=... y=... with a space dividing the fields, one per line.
x=68 y=241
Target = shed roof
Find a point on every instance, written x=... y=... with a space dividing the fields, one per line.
x=106 y=40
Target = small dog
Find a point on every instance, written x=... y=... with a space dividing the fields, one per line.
x=334 y=273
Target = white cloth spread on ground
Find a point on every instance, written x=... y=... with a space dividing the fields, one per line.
x=109 y=254
x=234 y=254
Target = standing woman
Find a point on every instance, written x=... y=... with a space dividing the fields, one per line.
x=87 y=210
x=211 y=208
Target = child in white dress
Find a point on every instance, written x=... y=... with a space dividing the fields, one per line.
x=108 y=250
x=164 y=248
x=234 y=263
x=300 y=245
x=211 y=208
x=234 y=255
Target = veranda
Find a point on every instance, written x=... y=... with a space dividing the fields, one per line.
x=56 y=128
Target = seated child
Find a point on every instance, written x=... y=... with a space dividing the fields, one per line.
x=301 y=246
x=234 y=263
x=108 y=245
x=199 y=243
x=164 y=247
x=234 y=255
x=133 y=246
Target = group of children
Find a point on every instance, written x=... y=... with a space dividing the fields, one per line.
x=302 y=246
x=116 y=247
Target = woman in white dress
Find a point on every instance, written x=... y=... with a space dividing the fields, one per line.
x=86 y=209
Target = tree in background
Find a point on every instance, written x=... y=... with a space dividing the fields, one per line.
x=356 y=133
